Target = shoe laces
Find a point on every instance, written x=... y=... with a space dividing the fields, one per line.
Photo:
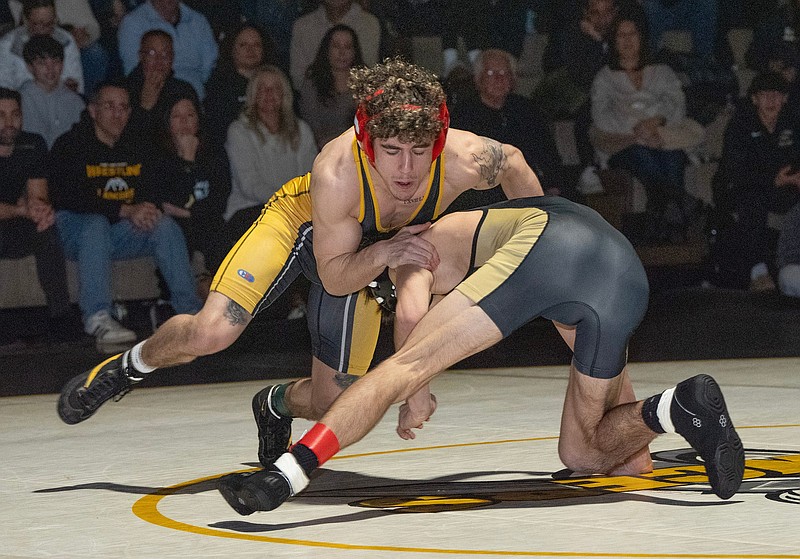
x=94 y=396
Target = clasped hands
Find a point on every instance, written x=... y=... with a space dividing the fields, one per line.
x=409 y=418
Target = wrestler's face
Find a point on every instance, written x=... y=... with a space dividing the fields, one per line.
x=10 y=121
x=404 y=167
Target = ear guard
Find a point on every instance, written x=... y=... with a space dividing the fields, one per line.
x=364 y=139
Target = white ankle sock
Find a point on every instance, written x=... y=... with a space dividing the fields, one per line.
x=662 y=412
x=135 y=356
x=297 y=478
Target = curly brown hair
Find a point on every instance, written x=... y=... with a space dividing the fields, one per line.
x=400 y=99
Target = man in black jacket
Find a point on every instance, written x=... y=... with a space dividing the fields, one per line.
x=103 y=214
x=758 y=174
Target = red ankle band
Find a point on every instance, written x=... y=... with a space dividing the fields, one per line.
x=322 y=442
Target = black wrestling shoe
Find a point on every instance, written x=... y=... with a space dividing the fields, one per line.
x=274 y=431
x=699 y=414
x=247 y=493
x=85 y=393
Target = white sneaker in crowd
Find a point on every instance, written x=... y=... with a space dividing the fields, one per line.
x=589 y=182
x=107 y=330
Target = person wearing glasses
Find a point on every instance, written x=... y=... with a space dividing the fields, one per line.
x=497 y=112
x=104 y=214
x=152 y=87
x=195 y=47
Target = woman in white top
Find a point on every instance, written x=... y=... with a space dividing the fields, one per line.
x=633 y=100
x=266 y=146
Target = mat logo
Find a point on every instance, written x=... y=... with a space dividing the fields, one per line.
x=245 y=275
x=774 y=474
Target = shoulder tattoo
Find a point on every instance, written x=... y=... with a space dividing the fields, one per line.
x=491 y=160
x=235 y=314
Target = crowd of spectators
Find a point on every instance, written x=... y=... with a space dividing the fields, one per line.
x=160 y=127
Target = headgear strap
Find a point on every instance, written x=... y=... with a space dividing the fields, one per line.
x=365 y=140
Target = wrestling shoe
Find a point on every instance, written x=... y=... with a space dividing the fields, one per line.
x=247 y=493
x=85 y=393
x=274 y=431
x=699 y=414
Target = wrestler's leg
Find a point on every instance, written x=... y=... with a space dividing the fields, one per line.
x=640 y=462
x=344 y=332
x=453 y=330
x=598 y=435
x=311 y=397
x=183 y=338
x=179 y=340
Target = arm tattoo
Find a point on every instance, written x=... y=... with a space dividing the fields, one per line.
x=491 y=160
x=235 y=314
x=343 y=380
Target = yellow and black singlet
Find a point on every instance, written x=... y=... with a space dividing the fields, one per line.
x=369 y=214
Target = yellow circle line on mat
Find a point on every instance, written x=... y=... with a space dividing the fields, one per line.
x=146 y=508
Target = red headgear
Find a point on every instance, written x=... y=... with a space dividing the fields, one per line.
x=364 y=139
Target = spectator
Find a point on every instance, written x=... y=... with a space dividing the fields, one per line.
x=582 y=50
x=308 y=31
x=326 y=103
x=104 y=215
x=190 y=182
x=267 y=146
x=578 y=53
x=241 y=53
x=151 y=87
x=498 y=113
x=777 y=35
x=39 y=18
x=640 y=125
x=109 y=14
x=193 y=41
x=77 y=17
x=699 y=17
x=776 y=48
x=49 y=108
x=26 y=216
x=758 y=174
x=277 y=20
x=788 y=258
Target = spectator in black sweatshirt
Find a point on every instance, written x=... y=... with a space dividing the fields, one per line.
x=104 y=214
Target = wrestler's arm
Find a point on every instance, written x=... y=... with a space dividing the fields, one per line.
x=479 y=162
x=414 y=286
x=342 y=267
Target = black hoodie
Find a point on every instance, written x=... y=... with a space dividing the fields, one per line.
x=88 y=176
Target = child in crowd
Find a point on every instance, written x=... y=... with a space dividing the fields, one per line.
x=49 y=107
